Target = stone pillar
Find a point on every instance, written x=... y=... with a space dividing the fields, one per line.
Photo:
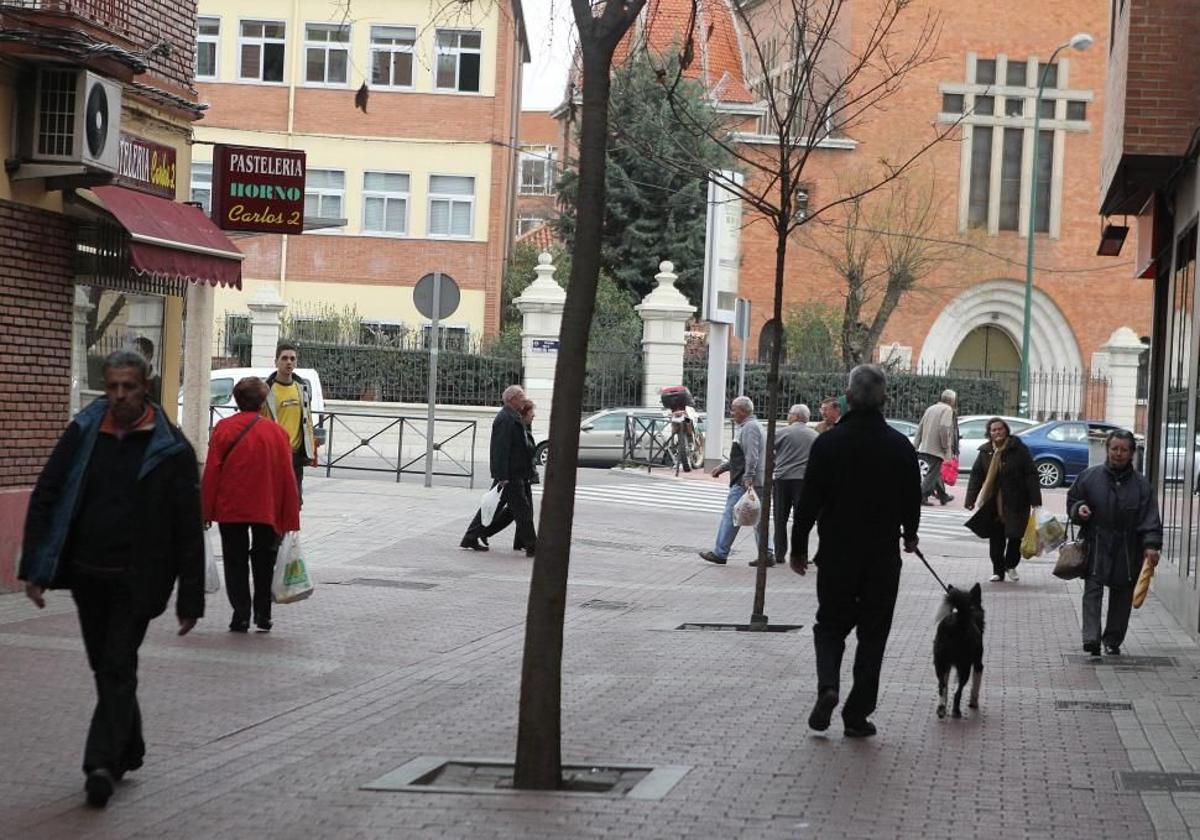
x=79 y=372
x=665 y=313
x=264 y=326
x=1123 y=349
x=197 y=363
x=541 y=307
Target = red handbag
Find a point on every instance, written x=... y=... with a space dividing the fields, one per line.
x=950 y=472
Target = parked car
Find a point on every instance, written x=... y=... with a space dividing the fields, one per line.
x=1060 y=448
x=602 y=436
x=904 y=427
x=972 y=434
x=1176 y=457
x=220 y=393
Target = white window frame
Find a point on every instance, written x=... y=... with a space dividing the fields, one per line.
x=453 y=199
x=392 y=49
x=322 y=192
x=537 y=220
x=206 y=184
x=215 y=40
x=458 y=51
x=262 y=42
x=327 y=46
x=545 y=155
x=387 y=196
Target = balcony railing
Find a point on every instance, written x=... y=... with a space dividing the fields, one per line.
x=113 y=15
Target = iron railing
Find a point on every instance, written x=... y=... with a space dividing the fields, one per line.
x=114 y=15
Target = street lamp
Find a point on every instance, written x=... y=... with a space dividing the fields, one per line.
x=1078 y=42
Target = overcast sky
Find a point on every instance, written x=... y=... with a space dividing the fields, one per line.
x=551 y=29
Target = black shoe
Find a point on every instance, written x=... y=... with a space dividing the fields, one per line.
x=713 y=558
x=99 y=787
x=770 y=563
x=947 y=500
x=859 y=729
x=822 y=710
x=1112 y=650
x=239 y=627
x=484 y=541
x=1092 y=647
x=264 y=626
x=531 y=552
x=473 y=544
x=126 y=767
x=926 y=503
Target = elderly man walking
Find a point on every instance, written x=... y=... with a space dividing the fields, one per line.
x=115 y=518
x=511 y=464
x=747 y=470
x=936 y=441
x=792 y=446
x=863 y=491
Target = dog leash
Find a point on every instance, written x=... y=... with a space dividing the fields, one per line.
x=917 y=552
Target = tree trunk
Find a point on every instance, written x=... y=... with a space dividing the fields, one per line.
x=897 y=285
x=539 y=735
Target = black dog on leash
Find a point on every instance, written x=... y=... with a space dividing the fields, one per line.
x=958 y=644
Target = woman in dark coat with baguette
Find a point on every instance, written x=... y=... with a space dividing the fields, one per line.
x=1004 y=486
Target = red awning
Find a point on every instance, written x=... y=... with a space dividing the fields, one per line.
x=173 y=239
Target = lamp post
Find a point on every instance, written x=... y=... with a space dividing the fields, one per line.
x=1078 y=42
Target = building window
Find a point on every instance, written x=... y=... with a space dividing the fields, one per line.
x=261 y=49
x=451 y=205
x=458 y=60
x=952 y=103
x=385 y=203
x=1010 y=178
x=1051 y=75
x=1014 y=74
x=1076 y=110
x=537 y=170
x=985 y=71
x=981 y=177
x=324 y=194
x=1046 y=109
x=202 y=186
x=1041 y=221
x=453 y=338
x=326 y=53
x=528 y=223
x=985 y=106
x=1014 y=107
x=208 y=39
x=392 y=56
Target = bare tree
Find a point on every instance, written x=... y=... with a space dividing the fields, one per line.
x=601 y=25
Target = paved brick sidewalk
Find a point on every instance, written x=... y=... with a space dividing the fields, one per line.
x=272 y=736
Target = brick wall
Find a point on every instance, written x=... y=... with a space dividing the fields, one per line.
x=1163 y=76
x=175 y=22
x=36 y=295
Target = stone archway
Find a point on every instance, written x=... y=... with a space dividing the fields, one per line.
x=1001 y=303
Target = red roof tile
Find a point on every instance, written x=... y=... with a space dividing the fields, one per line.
x=541 y=237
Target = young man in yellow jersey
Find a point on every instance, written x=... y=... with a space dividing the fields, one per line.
x=289 y=403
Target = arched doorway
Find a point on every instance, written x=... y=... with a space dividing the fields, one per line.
x=989 y=351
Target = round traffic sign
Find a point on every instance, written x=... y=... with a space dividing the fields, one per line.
x=448 y=296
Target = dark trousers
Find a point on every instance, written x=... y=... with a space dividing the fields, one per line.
x=1005 y=552
x=516 y=505
x=786 y=493
x=932 y=483
x=112 y=633
x=243 y=558
x=299 y=462
x=862 y=597
x=1120 y=604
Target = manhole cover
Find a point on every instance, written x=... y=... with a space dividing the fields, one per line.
x=770 y=628
x=1093 y=706
x=1121 y=661
x=597 y=604
x=391 y=584
x=616 y=546
x=680 y=549
x=1146 y=780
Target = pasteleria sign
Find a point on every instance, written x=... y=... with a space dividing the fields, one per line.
x=258 y=189
x=146 y=166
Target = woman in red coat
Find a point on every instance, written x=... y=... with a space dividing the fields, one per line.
x=249 y=489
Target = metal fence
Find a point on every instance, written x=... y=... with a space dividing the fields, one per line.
x=613 y=379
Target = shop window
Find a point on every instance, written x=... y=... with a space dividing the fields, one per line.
x=117 y=320
x=208 y=46
x=451 y=205
x=392 y=56
x=385 y=203
x=1177 y=503
x=261 y=50
x=458 y=60
x=326 y=53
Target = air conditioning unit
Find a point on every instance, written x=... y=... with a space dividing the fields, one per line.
x=71 y=116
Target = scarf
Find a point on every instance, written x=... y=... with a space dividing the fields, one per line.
x=993 y=472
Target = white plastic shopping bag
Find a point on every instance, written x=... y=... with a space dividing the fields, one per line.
x=747 y=510
x=488 y=505
x=1050 y=531
x=291 y=581
x=212 y=581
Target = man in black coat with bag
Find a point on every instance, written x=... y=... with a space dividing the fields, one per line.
x=512 y=469
x=863 y=491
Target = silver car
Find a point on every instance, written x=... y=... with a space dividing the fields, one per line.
x=602 y=436
x=1175 y=456
x=972 y=434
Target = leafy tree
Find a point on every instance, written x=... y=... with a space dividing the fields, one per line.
x=809 y=334
x=652 y=213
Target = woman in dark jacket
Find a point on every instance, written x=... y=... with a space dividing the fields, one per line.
x=1115 y=504
x=1004 y=483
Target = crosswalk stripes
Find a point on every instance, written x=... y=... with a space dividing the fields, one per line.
x=704 y=498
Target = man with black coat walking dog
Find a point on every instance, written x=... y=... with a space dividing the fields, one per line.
x=863 y=491
x=511 y=462
x=115 y=518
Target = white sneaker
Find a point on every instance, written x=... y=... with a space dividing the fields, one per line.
x=995 y=578
x=1013 y=576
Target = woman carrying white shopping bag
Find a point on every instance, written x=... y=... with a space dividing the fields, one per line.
x=249 y=489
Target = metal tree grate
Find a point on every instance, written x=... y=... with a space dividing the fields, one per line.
x=1147 y=780
x=391 y=584
x=748 y=628
x=597 y=604
x=1093 y=706
x=1122 y=661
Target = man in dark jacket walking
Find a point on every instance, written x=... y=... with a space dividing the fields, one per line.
x=512 y=469
x=115 y=518
x=863 y=490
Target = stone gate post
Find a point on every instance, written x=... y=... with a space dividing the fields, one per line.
x=541 y=307
x=665 y=313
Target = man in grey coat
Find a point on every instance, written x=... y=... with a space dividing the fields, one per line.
x=746 y=468
x=936 y=439
x=792 y=445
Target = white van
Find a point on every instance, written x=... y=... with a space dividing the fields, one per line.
x=221 y=382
